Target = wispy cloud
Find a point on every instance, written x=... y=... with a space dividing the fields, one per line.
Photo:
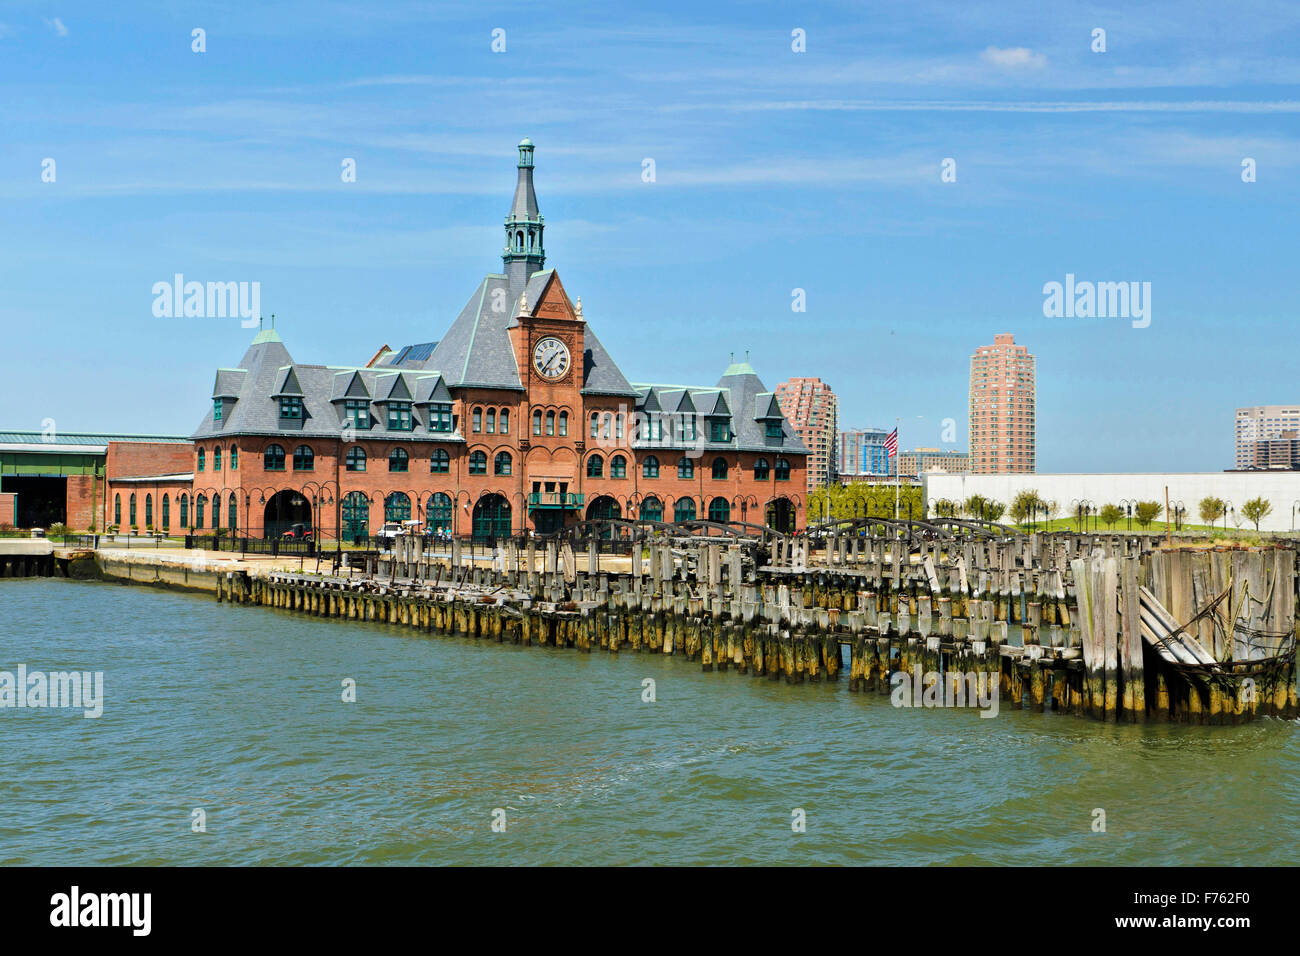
x=1014 y=58
x=57 y=26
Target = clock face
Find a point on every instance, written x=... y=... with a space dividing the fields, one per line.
x=551 y=358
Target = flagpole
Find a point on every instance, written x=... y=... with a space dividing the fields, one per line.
x=897 y=484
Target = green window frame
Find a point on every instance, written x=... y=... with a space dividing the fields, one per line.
x=595 y=467
x=618 y=467
x=117 y=510
x=203 y=458
x=355 y=460
x=216 y=409
x=650 y=467
x=720 y=510
x=166 y=512
x=720 y=469
x=685 y=468
x=399 y=460
x=290 y=407
x=304 y=459
x=273 y=458
x=478 y=463
x=719 y=430
x=782 y=469
x=502 y=464
x=216 y=458
x=761 y=469
x=234 y=457
x=774 y=430
x=440 y=417
x=439 y=462
x=357 y=411
x=684 y=510
x=399 y=416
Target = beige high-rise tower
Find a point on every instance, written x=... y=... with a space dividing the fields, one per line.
x=1002 y=408
x=812 y=410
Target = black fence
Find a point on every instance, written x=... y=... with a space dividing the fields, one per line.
x=244 y=545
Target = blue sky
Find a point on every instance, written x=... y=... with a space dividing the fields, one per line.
x=775 y=170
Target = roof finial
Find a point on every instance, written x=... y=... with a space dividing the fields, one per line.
x=260 y=324
x=577 y=308
x=746 y=356
x=733 y=359
x=523 y=303
x=272 y=320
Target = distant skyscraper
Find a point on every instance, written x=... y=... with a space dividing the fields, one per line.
x=1259 y=430
x=812 y=409
x=862 y=452
x=1002 y=408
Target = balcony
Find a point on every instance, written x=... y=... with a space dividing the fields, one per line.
x=554 y=499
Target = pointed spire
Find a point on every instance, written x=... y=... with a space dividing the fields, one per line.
x=524 y=252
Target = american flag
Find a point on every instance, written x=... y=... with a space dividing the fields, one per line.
x=891 y=443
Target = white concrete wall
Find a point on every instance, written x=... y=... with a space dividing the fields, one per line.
x=1281 y=489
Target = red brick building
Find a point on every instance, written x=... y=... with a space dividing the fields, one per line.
x=517 y=419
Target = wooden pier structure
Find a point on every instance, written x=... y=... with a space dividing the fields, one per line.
x=1111 y=627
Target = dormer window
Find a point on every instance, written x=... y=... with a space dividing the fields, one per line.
x=688 y=428
x=357 y=412
x=719 y=430
x=216 y=409
x=399 y=416
x=440 y=417
x=774 y=430
x=290 y=407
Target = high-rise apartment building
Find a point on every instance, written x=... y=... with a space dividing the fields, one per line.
x=862 y=452
x=1261 y=429
x=1002 y=408
x=812 y=410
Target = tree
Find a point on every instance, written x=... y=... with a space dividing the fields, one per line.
x=945 y=508
x=1212 y=509
x=1147 y=512
x=1025 y=505
x=1255 y=510
x=994 y=510
x=1110 y=515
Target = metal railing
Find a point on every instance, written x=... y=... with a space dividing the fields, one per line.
x=555 y=499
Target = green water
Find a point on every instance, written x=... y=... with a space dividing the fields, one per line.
x=238 y=711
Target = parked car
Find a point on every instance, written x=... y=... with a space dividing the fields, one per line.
x=298 y=532
x=388 y=533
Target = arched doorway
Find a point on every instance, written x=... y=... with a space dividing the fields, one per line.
x=397 y=507
x=492 y=517
x=780 y=515
x=652 y=509
x=437 y=516
x=604 y=508
x=356 y=517
x=284 y=509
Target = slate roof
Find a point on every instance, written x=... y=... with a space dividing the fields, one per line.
x=740 y=396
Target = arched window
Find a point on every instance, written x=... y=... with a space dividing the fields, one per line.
x=760 y=469
x=439 y=462
x=166 y=513
x=199 y=504
x=185 y=510
x=719 y=510
x=550 y=423
x=719 y=468
x=273 y=460
x=650 y=467
x=203 y=457
x=216 y=458
x=232 y=515
x=132 y=509
x=564 y=423
x=148 y=511
x=618 y=467
x=398 y=460
x=234 y=458
x=478 y=463
x=595 y=466
x=478 y=419
x=397 y=507
x=501 y=464
x=782 y=469
x=304 y=459
x=491 y=421
x=356 y=516
x=652 y=509
x=438 y=513
x=685 y=467
x=595 y=427
x=216 y=511
x=505 y=421
x=537 y=421
x=684 y=510
x=356 y=459
x=117 y=510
